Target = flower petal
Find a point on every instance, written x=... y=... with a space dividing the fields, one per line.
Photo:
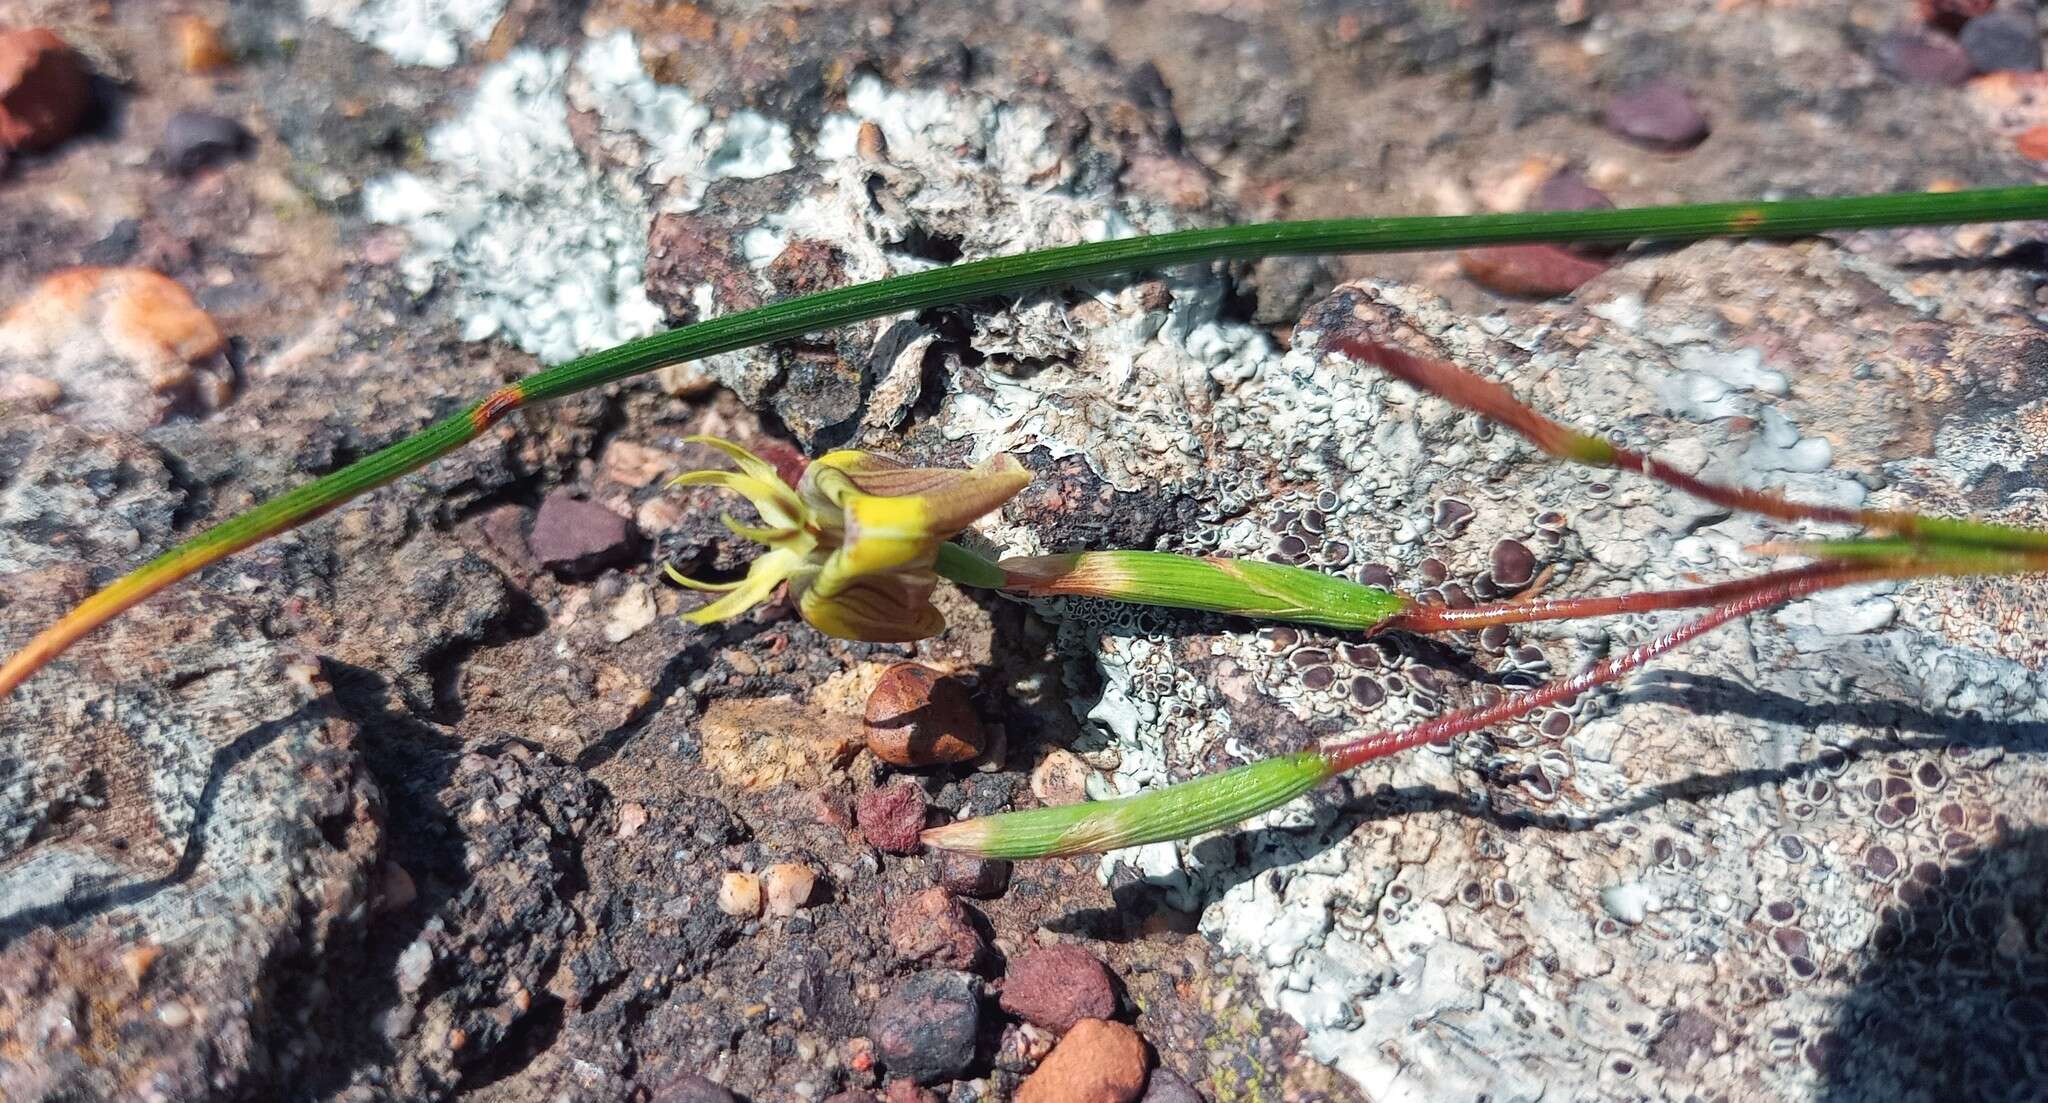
x=895 y=515
x=770 y=537
x=958 y=496
x=744 y=460
x=878 y=608
x=777 y=504
x=687 y=582
x=768 y=572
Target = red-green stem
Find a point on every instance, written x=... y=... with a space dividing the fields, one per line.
x=1425 y=619
x=1465 y=389
x=1345 y=754
x=997 y=276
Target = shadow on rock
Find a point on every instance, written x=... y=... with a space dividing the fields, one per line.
x=1236 y=857
x=1953 y=1003
x=81 y=906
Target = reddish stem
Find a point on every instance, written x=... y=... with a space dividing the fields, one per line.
x=1424 y=619
x=1342 y=755
x=1456 y=385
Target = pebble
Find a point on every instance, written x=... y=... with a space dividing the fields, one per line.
x=967 y=875
x=394 y=888
x=852 y=1095
x=907 y=1091
x=200 y=49
x=1923 y=57
x=2003 y=40
x=790 y=887
x=1168 y=1086
x=633 y=612
x=634 y=465
x=892 y=817
x=691 y=1088
x=933 y=928
x=575 y=538
x=739 y=895
x=1659 y=113
x=926 y=1028
x=1021 y=1047
x=79 y=322
x=1566 y=190
x=1057 y=986
x=917 y=716
x=2033 y=143
x=193 y=140
x=1060 y=778
x=1539 y=271
x=45 y=91
x=1950 y=15
x=1097 y=1062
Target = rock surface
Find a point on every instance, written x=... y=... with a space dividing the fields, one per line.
x=388 y=808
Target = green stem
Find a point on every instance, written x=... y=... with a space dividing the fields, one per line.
x=968 y=568
x=1005 y=275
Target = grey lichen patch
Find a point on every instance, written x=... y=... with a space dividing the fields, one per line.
x=417 y=32
x=1717 y=843
x=544 y=241
x=1654 y=892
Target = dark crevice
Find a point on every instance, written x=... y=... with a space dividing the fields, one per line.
x=194 y=497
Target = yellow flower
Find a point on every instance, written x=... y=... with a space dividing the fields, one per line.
x=856 y=538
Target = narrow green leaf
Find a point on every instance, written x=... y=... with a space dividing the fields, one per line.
x=1237 y=587
x=1175 y=812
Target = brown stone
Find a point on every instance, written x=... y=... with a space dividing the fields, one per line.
x=907 y=1091
x=1950 y=15
x=1540 y=271
x=200 y=49
x=934 y=928
x=1659 y=113
x=575 y=538
x=1058 y=986
x=916 y=716
x=967 y=875
x=44 y=89
x=892 y=817
x=2033 y=143
x=1097 y=1062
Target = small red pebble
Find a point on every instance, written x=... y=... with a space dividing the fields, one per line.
x=1539 y=271
x=44 y=89
x=1659 y=113
x=1057 y=986
x=892 y=817
x=2033 y=143
x=908 y=1091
